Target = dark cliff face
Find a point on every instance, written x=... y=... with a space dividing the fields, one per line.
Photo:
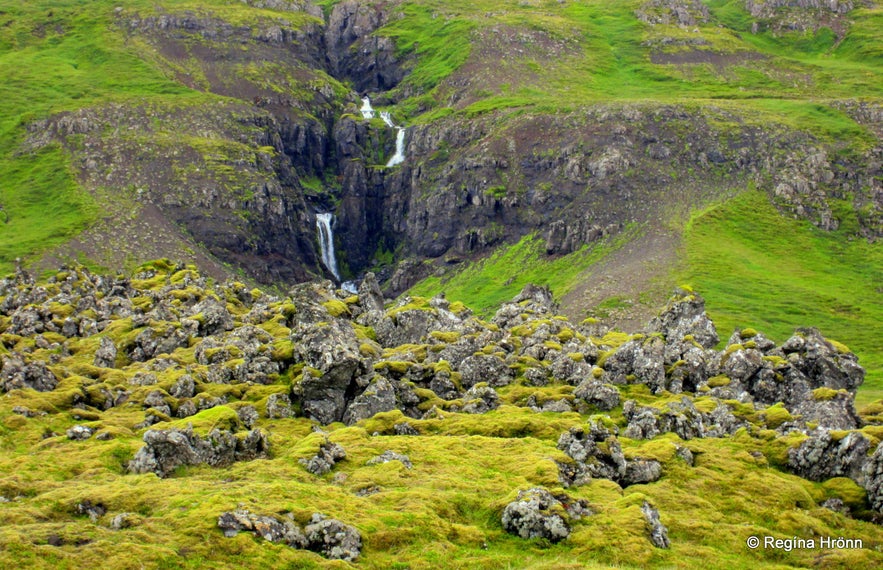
x=245 y=179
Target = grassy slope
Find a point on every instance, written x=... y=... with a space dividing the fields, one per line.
x=62 y=55
x=489 y=282
x=756 y=268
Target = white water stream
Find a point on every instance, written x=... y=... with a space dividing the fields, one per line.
x=399 y=156
x=367 y=110
x=326 y=242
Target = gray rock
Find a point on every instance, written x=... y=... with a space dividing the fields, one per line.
x=378 y=397
x=279 y=406
x=682 y=418
x=536 y=513
x=486 y=368
x=597 y=454
x=93 y=510
x=184 y=387
x=872 y=473
x=329 y=453
x=80 y=432
x=370 y=296
x=685 y=315
x=404 y=428
x=480 y=399
x=123 y=520
x=106 y=354
x=16 y=374
x=597 y=394
x=248 y=416
x=657 y=531
x=820 y=457
x=332 y=349
x=685 y=454
x=267 y=527
x=212 y=316
x=166 y=450
x=332 y=538
x=388 y=456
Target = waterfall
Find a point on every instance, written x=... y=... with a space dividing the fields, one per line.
x=387 y=118
x=367 y=110
x=326 y=242
x=399 y=156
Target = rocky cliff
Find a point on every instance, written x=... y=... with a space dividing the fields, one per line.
x=244 y=175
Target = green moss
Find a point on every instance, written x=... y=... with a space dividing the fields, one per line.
x=823 y=394
x=718 y=381
x=336 y=308
x=445 y=336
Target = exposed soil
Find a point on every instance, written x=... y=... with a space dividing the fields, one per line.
x=698 y=56
x=638 y=274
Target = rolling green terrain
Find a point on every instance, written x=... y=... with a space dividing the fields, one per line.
x=669 y=143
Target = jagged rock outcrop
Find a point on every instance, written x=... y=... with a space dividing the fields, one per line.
x=326 y=536
x=16 y=373
x=537 y=513
x=822 y=456
x=335 y=369
x=328 y=455
x=682 y=418
x=388 y=456
x=332 y=538
x=166 y=450
x=597 y=454
x=657 y=531
x=872 y=474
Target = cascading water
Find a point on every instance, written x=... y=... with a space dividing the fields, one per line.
x=399 y=156
x=326 y=242
x=367 y=110
x=387 y=118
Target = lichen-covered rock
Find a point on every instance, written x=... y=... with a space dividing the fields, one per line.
x=480 y=399
x=17 y=374
x=657 y=531
x=80 y=432
x=821 y=456
x=388 y=456
x=872 y=473
x=379 y=396
x=212 y=316
x=597 y=394
x=332 y=538
x=267 y=527
x=597 y=454
x=682 y=418
x=332 y=350
x=329 y=453
x=684 y=316
x=279 y=406
x=486 y=368
x=184 y=387
x=536 y=513
x=166 y=450
x=106 y=354
x=641 y=360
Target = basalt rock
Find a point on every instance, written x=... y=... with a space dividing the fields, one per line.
x=821 y=456
x=166 y=450
x=536 y=513
x=597 y=454
x=329 y=453
x=657 y=531
x=16 y=373
x=682 y=418
x=332 y=538
x=872 y=473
